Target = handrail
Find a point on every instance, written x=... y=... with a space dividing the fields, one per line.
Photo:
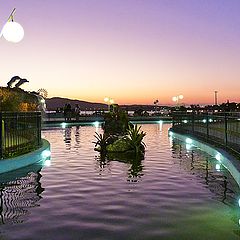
x=222 y=129
x=20 y=132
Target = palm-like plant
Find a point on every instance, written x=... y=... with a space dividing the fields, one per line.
x=102 y=140
x=135 y=138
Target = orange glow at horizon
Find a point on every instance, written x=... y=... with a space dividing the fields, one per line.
x=134 y=53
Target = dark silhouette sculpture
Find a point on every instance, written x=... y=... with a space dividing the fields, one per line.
x=21 y=81
x=18 y=84
x=13 y=80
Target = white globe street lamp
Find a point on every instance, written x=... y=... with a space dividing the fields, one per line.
x=12 y=31
x=177 y=98
x=106 y=99
x=180 y=96
x=174 y=99
x=109 y=101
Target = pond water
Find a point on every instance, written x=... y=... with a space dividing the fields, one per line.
x=174 y=193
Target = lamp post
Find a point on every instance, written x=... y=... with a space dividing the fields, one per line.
x=108 y=101
x=12 y=31
x=215 y=97
x=177 y=99
x=155 y=104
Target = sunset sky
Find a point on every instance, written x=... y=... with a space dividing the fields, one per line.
x=134 y=51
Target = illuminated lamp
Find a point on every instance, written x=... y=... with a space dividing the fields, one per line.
x=189 y=141
x=12 y=31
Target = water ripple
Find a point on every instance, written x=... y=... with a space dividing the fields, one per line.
x=173 y=193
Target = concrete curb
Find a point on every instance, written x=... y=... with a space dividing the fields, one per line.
x=38 y=155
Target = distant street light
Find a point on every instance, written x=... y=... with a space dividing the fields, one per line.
x=215 y=97
x=12 y=31
x=109 y=101
x=177 y=99
x=155 y=104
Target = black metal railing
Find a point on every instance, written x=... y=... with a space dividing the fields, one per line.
x=20 y=132
x=218 y=128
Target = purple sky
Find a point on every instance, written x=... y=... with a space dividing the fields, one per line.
x=134 y=51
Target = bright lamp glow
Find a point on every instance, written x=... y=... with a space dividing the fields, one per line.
x=106 y=99
x=13 y=32
x=218 y=156
x=96 y=124
x=189 y=141
x=174 y=99
x=46 y=154
x=218 y=167
x=188 y=146
x=47 y=163
x=180 y=96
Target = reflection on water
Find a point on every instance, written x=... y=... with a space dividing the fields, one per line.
x=135 y=166
x=211 y=173
x=214 y=175
x=134 y=172
x=77 y=137
x=67 y=137
x=175 y=192
x=70 y=142
x=19 y=195
x=216 y=178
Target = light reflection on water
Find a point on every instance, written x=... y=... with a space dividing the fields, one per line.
x=19 y=192
x=176 y=192
x=208 y=170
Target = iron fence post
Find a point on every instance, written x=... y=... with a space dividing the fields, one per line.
x=207 y=119
x=1 y=136
x=173 y=119
x=226 y=129
x=193 y=121
x=39 y=118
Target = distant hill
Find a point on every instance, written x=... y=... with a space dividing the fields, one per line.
x=134 y=107
x=58 y=102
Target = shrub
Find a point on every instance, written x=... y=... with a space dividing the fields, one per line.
x=135 y=138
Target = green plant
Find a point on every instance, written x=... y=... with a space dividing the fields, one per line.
x=135 y=138
x=102 y=140
x=15 y=99
x=116 y=122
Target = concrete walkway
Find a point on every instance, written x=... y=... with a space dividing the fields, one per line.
x=86 y=119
